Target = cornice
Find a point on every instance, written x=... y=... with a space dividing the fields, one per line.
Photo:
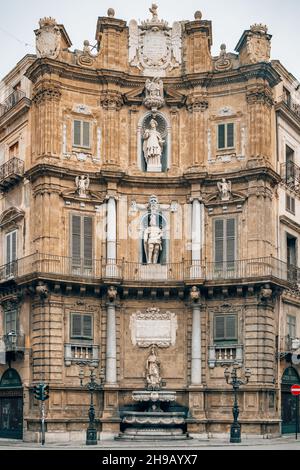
x=288 y=114
x=290 y=223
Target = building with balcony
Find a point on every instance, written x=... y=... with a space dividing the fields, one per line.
x=144 y=205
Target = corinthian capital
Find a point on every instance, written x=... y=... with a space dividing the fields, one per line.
x=111 y=100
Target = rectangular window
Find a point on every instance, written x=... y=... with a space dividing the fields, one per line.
x=82 y=242
x=290 y=204
x=291 y=326
x=81 y=326
x=11 y=253
x=14 y=150
x=287 y=97
x=290 y=164
x=291 y=249
x=225 y=243
x=81 y=134
x=10 y=321
x=225 y=328
x=225 y=136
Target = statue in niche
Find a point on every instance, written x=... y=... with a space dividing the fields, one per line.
x=82 y=185
x=153 y=147
x=153 y=377
x=224 y=190
x=153 y=241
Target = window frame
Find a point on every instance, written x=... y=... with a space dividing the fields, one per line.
x=7 y=235
x=14 y=321
x=225 y=340
x=226 y=147
x=294 y=325
x=81 y=336
x=82 y=121
x=225 y=263
x=291 y=206
x=83 y=260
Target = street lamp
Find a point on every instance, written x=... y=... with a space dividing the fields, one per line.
x=232 y=378
x=92 y=386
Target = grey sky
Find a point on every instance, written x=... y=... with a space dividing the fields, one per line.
x=230 y=18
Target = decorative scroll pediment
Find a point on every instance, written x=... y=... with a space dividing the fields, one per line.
x=92 y=197
x=234 y=198
x=11 y=217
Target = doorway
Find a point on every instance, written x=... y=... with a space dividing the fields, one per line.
x=288 y=401
x=11 y=405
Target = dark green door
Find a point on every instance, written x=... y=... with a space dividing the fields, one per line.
x=11 y=405
x=288 y=401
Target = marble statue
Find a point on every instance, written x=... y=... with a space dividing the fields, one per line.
x=153 y=241
x=154 y=98
x=153 y=377
x=82 y=185
x=224 y=189
x=153 y=147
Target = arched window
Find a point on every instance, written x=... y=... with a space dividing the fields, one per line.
x=10 y=379
x=163 y=225
x=164 y=130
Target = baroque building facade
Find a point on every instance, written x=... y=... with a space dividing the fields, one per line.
x=149 y=209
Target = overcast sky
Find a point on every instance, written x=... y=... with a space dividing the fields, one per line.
x=18 y=19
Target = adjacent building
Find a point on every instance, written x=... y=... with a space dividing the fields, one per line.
x=149 y=208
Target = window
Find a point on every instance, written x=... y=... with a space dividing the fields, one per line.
x=10 y=321
x=287 y=97
x=290 y=164
x=11 y=253
x=290 y=204
x=82 y=243
x=291 y=247
x=225 y=243
x=225 y=328
x=225 y=136
x=81 y=326
x=81 y=134
x=291 y=326
x=14 y=150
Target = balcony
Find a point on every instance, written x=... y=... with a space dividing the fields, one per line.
x=81 y=354
x=220 y=355
x=11 y=101
x=61 y=268
x=11 y=172
x=290 y=174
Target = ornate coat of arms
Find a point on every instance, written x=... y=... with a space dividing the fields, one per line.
x=48 y=39
x=154 y=47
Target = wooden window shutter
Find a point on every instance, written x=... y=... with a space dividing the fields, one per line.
x=88 y=241
x=87 y=326
x=76 y=240
x=86 y=134
x=219 y=327
x=230 y=240
x=221 y=136
x=77 y=133
x=219 y=241
x=13 y=246
x=76 y=330
x=231 y=330
x=8 y=248
x=230 y=135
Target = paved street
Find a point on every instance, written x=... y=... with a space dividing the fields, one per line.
x=284 y=443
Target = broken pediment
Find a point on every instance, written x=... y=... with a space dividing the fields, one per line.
x=11 y=217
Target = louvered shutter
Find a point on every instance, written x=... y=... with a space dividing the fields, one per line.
x=219 y=242
x=219 y=327
x=8 y=248
x=230 y=135
x=88 y=241
x=87 y=326
x=230 y=327
x=230 y=242
x=77 y=133
x=76 y=326
x=221 y=136
x=86 y=134
x=13 y=246
x=76 y=240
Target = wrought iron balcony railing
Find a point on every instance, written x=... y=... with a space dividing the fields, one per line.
x=11 y=172
x=61 y=268
x=290 y=174
x=12 y=100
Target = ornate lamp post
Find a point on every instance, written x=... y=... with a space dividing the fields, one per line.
x=92 y=386
x=233 y=379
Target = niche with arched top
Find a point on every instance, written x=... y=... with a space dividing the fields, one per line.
x=163 y=225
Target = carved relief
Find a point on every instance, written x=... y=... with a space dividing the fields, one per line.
x=224 y=189
x=46 y=94
x=153 y=328
x=154 y=94
x=154 y=47
x=111 y=100
x=258 y=44
x=48 y=39
x=223 y=62
x=82 y=185
x=86 y=58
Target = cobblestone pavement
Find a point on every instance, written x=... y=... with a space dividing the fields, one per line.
x=283 y=443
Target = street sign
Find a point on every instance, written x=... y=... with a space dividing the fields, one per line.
x=295 y=390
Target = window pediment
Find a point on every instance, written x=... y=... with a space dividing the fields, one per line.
x=11 y=217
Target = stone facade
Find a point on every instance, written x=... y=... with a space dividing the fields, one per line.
x=73 y=217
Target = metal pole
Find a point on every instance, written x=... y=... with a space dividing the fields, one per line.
x=297 y=416
x=43 y=422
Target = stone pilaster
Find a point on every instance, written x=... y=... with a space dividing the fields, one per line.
x=111 y=101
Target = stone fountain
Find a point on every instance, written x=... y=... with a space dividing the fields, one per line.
x=155 y=415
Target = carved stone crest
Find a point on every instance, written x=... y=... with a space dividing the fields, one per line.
x=48 y=39
x=153 y=327
x=258 y=44
x=155 y=47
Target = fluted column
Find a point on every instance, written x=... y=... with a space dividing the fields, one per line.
x=197 y=107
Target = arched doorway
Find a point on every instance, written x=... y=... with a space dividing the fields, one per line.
x=288 y=401
x=11 y=405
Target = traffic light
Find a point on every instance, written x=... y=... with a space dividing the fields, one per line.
x=41 y=392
